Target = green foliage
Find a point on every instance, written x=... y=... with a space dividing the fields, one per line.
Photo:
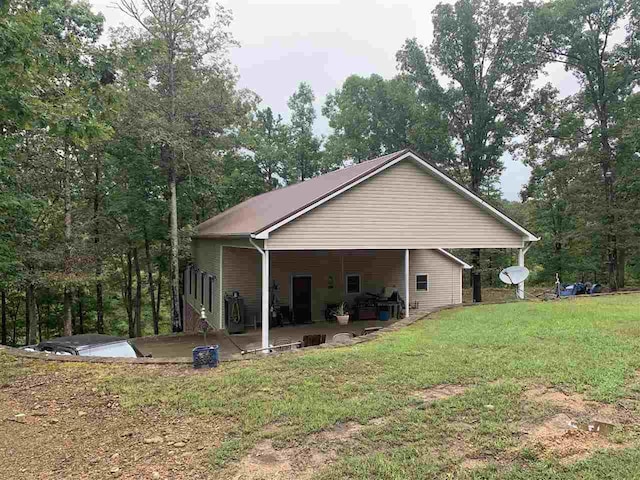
x=372 y=116
x=483 y=50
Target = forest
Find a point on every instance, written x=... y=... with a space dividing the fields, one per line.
x=115 y=145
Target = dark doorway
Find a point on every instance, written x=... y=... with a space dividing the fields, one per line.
x=301 y=299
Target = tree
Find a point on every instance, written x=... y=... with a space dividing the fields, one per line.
x=193 y=94
x=581 y=35
x=306 y=159
x=373 y=116
x=483 y=50
x=268 y=139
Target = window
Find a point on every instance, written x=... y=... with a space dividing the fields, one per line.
x=353 y=283
x=211 y=282
x=203 y=276
x=195 y=283
x=189 y=277
x=422 y=282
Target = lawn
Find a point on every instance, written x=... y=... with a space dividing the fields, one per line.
x=479 y=392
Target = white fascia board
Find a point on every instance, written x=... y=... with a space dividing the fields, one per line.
x=465 y=265
x=263 y=235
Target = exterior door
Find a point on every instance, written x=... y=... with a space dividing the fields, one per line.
x=301 y=299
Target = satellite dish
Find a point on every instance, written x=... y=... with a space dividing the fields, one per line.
x=514 y=275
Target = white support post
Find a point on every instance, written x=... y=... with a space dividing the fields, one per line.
x=520 y=291
x=265 y=300
x=406 y=283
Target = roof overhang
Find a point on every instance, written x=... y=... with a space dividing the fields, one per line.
x=526 y=235
x=455 y=259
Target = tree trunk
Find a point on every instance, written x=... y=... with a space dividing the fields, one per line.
x=4 y=318
x=176 y=320
x=138 y=301
x=159 y=297
x=80 y=312
x=152 y=295
x=606 y=164
x=128 y=295
x=96 y=243
x=68 y=300
x=32 y=316
x=622 y=260
x=39 y=322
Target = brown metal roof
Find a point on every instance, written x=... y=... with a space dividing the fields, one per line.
x=261 y=212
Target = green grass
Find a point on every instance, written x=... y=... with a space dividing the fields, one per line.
x=589 y=346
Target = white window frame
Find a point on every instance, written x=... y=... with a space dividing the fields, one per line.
x=416 y=282
x=346 y=283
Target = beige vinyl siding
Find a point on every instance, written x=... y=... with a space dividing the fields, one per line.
x=242 y=272
x=445 y=279
x=401 y=207
x=207 y=256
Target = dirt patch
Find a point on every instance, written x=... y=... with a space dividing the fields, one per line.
x=296 y=462
x=574 y=434
x=440 y=392
x=59 y=425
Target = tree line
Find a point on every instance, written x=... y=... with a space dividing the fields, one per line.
x=111 y=152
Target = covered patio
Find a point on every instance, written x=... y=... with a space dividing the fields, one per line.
x=171 y=346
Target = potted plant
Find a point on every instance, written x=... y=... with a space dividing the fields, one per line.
x=341 y=314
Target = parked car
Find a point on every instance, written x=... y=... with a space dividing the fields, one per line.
x=88 y=345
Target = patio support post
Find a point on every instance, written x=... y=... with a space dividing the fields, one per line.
x=406 y=283
x=265 y=300
x=521 y=253
x=265 y=294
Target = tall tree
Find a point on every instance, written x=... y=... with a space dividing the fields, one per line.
x=582 y=35
x=305 y=160
x=193 y=93
x=483 y=50
x=488 y=63
x=373 y=116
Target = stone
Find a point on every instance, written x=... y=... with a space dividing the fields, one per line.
x=20 y=417
x=155 y=475
x=156 y=439
x=115 y=456
x=54 y=420
x=81 y=413
x=179 y=444
x=115 y=470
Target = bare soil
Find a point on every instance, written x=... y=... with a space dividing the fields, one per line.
x=296 y=462
x=58 y=425
x=563 y=435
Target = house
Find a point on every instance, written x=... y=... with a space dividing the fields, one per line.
x=381 y=224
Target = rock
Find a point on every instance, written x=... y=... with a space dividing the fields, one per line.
x=115 y=456
x=179 y=444
x=115 y=470
x=156 y=439
x=155 y=475
x=54 y=420
x=81 y=413
x=20 y=417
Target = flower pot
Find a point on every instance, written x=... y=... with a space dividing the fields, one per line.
x=342 y=319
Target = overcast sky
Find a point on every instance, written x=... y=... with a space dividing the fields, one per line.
x=324 y=41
